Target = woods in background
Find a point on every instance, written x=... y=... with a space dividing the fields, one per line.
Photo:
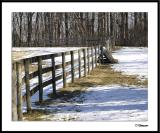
x=51 y=29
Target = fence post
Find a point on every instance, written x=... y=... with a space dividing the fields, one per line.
x=84 y=56
x=72 y=66
x=92 y=57
x=19 y=92
x=53 y=75
x=79 y=60
x=63 y=69
x=28 y=100
x=40 y=79
x=88 y=59
x=14 y=93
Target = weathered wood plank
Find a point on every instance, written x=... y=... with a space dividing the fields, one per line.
x=53 y=75
x=44 y=57
x=28 y=98
x=108 y=58
x=19 y=92
x=63 y=70
x=14 y=93
x=40 y=79
x=48 y=82
x=59 y=77
x=32 y=92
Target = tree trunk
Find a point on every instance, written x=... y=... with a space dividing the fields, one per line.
x=126 y=29
x=29 y=19
x=66 y=29
x=20 y=29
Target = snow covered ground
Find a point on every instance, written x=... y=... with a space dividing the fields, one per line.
x=132 y=61
x=109 y=102
x=102 y=103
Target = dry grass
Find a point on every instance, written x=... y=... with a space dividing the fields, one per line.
x=105 y=75
x=35 y=115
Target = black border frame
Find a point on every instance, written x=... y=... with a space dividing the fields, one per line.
x=80 y=1
x=98 y=1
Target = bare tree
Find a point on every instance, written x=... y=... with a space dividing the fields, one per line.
x=29 y=20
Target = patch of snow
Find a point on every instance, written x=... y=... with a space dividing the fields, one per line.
x=132 y=61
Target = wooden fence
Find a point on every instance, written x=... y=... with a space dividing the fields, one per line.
x=87 y=60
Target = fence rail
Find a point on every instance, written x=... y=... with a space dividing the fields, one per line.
x=87 y=60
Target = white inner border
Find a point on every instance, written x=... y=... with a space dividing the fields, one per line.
x=8 y=8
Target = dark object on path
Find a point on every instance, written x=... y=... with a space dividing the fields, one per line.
x=106 y=56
